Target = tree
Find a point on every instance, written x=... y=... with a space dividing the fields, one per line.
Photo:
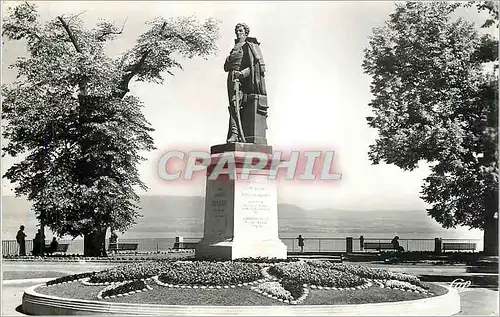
x=435 y=98
x=70 y=114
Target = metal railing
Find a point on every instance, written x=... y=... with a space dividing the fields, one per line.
x=311 y=244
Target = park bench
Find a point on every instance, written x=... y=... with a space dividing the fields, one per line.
x=459 y=246
x=61 y=248
x=184 y=245
x=123 y=247
x=378 y=246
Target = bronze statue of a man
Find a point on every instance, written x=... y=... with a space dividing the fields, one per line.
x=246 y=68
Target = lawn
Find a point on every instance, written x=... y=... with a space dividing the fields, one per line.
x=240 y=296
x=18 y=275
x=247 y=283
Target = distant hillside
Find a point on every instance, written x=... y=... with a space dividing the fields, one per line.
x=170 y=216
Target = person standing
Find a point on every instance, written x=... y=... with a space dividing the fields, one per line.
x=361 y=243
x=21 y=240
x=36 y=242
x=301 y=243
x=113 y=241
x=54 y=245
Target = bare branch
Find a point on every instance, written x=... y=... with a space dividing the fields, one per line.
x=123 y=26
x=76 y=15
x=101 y=37
x=71 y=35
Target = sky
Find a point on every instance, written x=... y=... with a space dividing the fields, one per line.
x=317 y=93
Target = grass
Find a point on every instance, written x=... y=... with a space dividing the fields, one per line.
x=17 y=275
x=74 y=290
x=241 y=296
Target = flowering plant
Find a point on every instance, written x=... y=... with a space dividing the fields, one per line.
x=403 y=285
x=125 y=288
x=371 y=273
x=131 y=271
x=210 y=273
x=274 y=289
x=308 y=273
x=69 y=278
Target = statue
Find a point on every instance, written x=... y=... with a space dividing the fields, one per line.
x=246 y=86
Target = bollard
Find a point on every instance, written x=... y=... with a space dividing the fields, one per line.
x=179 y=243
x=348 y=244
x=438 y=245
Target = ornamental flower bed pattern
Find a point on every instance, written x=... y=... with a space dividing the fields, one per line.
x=210 y=273
x=369 y=273
x=130 y=271
x=70 y=278
x=307 y=273
x=286 y=281
x=124 y=289
x=274 y=290
x=401 y=285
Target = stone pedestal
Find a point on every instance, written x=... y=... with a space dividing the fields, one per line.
x=241 y=215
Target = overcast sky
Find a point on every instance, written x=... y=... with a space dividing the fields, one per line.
x=317 y=93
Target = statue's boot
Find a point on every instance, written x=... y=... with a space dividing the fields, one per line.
x=232 y=133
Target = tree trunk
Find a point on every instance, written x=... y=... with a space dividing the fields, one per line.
x=94 y=244
x=490 y=238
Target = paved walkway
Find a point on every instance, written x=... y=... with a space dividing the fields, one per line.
x=474 y=301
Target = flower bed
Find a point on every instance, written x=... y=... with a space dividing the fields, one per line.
x=401 y=285
x=369 y=273
x=266 y=260
x=128 y=288
x=307 y=273
x=275 y=291
x=210 y=273
x=70 y=278
x=130 y=271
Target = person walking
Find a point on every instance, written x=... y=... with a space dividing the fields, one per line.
x=21 y=240
x=301 y=243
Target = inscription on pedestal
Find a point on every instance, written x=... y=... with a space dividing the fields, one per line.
x=255 y=200
x=219 y=210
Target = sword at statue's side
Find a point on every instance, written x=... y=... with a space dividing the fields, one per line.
x=236 y=104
